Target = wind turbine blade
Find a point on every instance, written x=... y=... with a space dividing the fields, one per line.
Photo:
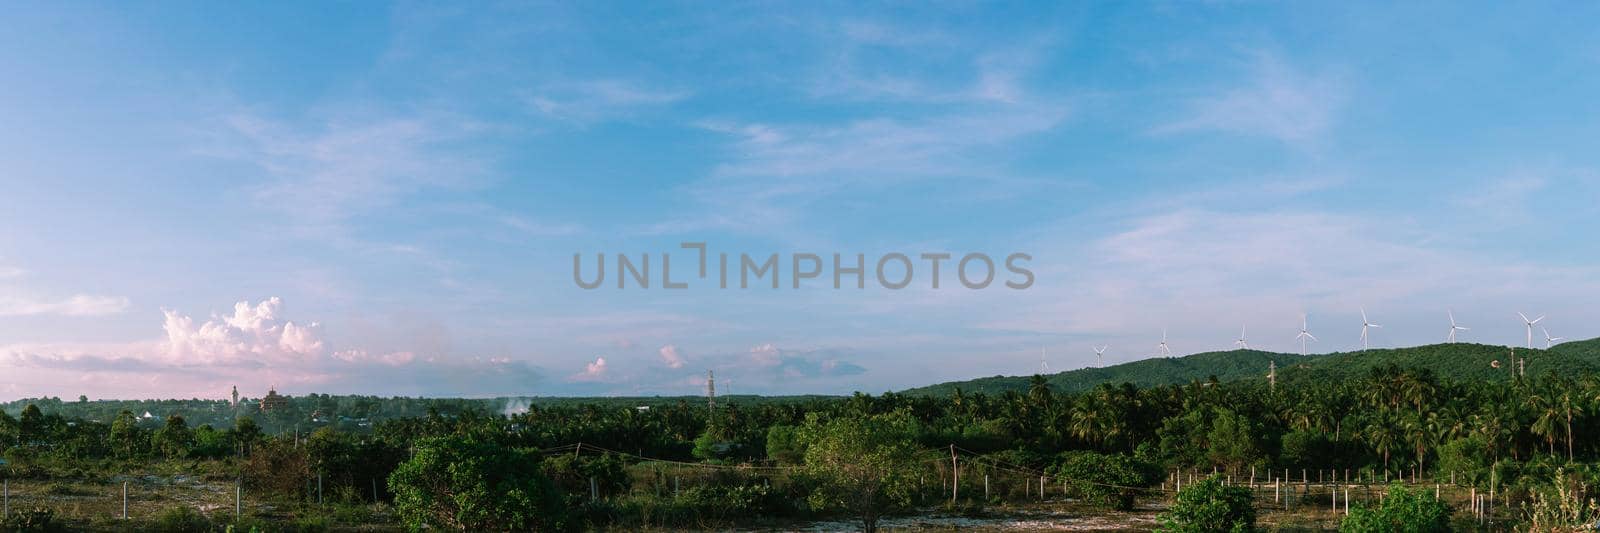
x=1536 y=320
x=1524 y=317
x=1313 y=337
x=1363 y=315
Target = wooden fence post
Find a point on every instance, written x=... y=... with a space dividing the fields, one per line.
x=955 y=476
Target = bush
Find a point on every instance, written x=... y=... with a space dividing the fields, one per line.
x=1209 y=506
x=1109 y=481
x=32 y=521
x=475 y=485
x=181 y=520
x=1402 y=511
x=702 y=506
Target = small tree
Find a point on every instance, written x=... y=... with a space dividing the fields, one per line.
x=1209 y=506
x=861 y=464
x=246 y=434
x=1402 y=511
x=174 y=439
x=1110 y=481
x=127 y=438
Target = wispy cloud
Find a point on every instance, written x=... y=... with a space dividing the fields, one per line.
x=1201 y=272
x=77 y=305
x=595 y=100
x=1275 y=100
x=1505 y=198
x=339 y=169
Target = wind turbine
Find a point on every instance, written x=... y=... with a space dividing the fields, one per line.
x=1530 y=324
x=1304 y=334
x=1368 y=324
x=1548 y=340
x=1453 y=327
x=1162 y=349
x=1241 y=343
x=1100 y=353
x=1044 y=367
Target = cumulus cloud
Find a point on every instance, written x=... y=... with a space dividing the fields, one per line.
x=670 y=356
x=251 y=332
x=255 y=346
x=595 y=371
x=77 y=305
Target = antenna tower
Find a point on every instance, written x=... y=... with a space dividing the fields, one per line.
x=711 y=390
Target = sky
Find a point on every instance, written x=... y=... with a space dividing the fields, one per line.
x=372 y=198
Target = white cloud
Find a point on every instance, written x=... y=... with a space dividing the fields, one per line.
x=251 y=333
x=595 y=371
x=1276 y=101
x=77 y=305
x=670 y=356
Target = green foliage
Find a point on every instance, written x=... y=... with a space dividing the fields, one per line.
x=1565 y=503
x=32 y=521
x=174 y=439
x=862 y=465
x=127 y=438
x=784 y=445
x=1402 y=511
x=1210 y=506
x=470 y=484
x=702 y=505
x=30 y=426
x=1107 y=480
x=1305 y=449
x=1233 y=441
x=1467 y=458
x=1454 y=361
x=571 y=473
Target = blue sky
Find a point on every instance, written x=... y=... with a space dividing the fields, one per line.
x=395 y=191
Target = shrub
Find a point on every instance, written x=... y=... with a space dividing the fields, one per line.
x=181 y=520
x=466 y=483
x=1402 y=511
x=1209 y=506
x=32 y=521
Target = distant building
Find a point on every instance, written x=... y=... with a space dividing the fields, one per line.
x=273 y=401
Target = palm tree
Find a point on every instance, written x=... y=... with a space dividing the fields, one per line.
x=1381 y=435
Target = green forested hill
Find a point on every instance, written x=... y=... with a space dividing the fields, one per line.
x=1461 y=361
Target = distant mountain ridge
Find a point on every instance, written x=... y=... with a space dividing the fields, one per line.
x=1458 y=361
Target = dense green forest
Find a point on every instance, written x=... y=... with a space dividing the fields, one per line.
x=1455 y=361
x=1533 y=441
